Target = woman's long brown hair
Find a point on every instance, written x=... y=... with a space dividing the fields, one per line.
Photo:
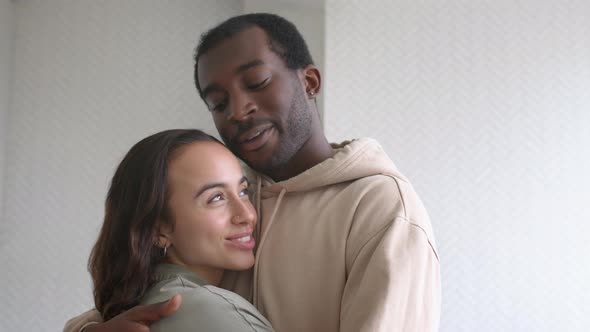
x=125 y=255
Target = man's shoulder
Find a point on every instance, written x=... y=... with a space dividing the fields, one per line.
x=379 y=188
x=384 y=199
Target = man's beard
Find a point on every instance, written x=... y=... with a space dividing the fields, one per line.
x=294 y=135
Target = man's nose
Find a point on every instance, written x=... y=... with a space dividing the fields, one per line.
x=240 y=108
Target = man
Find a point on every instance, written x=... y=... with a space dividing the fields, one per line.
x=344 y=243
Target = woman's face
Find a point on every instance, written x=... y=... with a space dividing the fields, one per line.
x=211 y=212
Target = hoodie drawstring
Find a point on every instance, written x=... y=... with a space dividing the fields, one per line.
x=264 y=235
x=258 y=212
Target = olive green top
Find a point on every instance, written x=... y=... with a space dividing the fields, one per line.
x=204 y=307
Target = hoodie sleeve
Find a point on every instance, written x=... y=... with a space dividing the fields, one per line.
x=79 y=322
x=393 y=282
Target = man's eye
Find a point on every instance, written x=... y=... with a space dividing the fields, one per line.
x=258 y=85
x=218 y=108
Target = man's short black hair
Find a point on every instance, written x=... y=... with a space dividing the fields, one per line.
x=284 y=39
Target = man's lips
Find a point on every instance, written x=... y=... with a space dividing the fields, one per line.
x=252 y=133
x=254 y=138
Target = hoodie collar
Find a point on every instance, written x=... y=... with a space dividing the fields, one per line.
x=352 y=160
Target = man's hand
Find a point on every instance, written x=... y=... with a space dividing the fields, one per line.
x=139 y=318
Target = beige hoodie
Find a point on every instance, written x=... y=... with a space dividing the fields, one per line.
x=345 y=246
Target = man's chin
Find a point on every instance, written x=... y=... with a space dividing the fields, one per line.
x=260 y=166
x=260 y=160
x=266 y=166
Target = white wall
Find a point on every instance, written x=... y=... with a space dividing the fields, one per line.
x=6 y=51
x=90 y=79
x=309 y=18
x=485 y=106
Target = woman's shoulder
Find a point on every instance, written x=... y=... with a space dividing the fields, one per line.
x=209 y=307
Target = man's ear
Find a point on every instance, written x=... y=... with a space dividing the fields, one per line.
x=313 y=80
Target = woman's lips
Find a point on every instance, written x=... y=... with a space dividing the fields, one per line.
x=243 y=242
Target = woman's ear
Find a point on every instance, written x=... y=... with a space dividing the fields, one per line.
x=163 y=235
x=313 y=80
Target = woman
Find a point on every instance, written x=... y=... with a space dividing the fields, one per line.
x=177 y=215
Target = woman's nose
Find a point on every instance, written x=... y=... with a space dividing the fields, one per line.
x=243 y=212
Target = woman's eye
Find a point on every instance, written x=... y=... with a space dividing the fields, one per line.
x=215 y=198
x=259 y=84
x=244 y=192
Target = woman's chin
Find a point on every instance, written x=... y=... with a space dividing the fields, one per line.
x=242 y=264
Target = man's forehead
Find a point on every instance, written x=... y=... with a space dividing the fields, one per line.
x=240 y=47
x=240 y=51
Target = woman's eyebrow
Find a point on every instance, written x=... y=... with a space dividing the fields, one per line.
x=244 y=179
x=208 y=186
x=212 y=185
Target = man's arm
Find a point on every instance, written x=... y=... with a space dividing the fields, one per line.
x=393 y=282
x=137 y=319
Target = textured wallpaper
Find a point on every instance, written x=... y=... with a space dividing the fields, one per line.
x=485 y=106
x=91 y=79
x=6 y=48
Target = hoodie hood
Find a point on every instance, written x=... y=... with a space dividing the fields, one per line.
x=352 y=160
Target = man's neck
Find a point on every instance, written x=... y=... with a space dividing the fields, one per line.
x=314 y=151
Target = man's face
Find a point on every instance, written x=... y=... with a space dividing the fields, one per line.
x=259 y=106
